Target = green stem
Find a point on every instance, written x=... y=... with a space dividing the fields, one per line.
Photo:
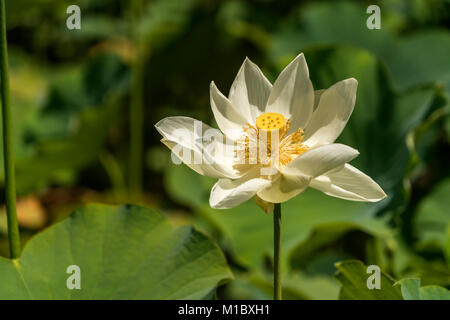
x=115 y=174
x=136 y=108
x=10 y=184
x=277 y=252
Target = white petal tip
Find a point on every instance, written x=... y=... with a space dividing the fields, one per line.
x=218 y=205
x=249 y=63
x=354 y=151
x=160 y=122
x=354 y=83
x=382 y=196
x=158 y=125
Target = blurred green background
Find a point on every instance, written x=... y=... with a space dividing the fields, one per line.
x=82 y=98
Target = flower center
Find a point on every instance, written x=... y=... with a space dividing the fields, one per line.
x=270 y=125
x=267 y=143
x=271 y=121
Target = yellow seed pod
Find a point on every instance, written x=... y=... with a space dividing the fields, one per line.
x=270 y=121
x=271 y=128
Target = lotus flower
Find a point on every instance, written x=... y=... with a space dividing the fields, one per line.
x=274 y=140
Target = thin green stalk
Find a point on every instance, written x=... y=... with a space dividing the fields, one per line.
x=136 y=134
x=10 y=183
x=277 y=252
x=115 y=174
x=136 y=108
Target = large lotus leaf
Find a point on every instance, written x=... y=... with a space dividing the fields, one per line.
x=125 y=252
x=353 y=276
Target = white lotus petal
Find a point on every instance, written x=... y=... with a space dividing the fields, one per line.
x=250 y=91
x=349 y=183
x=228 y=193
x=284 y=188
x=292 y=94
x=320 y=160
x=186 y=138
x=229 y=119
x=317 y=95
x=332 y=113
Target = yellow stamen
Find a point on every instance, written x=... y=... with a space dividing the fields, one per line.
x=255 y=146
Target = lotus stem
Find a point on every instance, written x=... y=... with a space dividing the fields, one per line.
x=136 y=107
x=10 y=183
x=277 y=252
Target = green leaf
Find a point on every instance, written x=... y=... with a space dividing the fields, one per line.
x=353 y=276
x=125 y=252
x=185 y=185
x=162 y=20
x=433 y=217
x=104 y=74
x=434 y=293
x=296 y=286
x=447 y=245
x=53 y=159
x=307 y=253
x=411 y=290
x=412 y=60
x=419 y=59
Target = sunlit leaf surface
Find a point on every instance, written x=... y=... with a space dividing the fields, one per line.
x=125 y=252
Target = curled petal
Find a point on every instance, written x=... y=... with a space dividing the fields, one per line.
x=320 y=160
x=349 y=183
x=284 y=188
x=228 y=193
x=199 y=146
